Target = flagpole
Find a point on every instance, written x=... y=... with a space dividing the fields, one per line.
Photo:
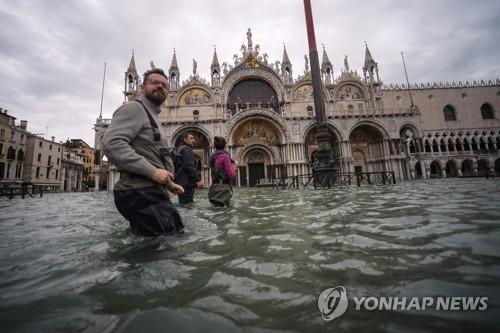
x=324 y=170
x=102 y=92
x=407 y=81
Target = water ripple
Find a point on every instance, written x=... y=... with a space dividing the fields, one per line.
x=68 y=263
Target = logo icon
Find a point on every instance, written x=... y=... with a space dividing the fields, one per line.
x=332 y=303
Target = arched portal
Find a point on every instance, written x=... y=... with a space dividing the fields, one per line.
x=257 y=165
x=467 y=168
x=257 y=145
x=311 y=146
x=418 y=170
x=451 y=169
x=367 y=149
x=483 y=167
x=436 y=169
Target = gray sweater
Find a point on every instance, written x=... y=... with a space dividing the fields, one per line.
x=129 y=144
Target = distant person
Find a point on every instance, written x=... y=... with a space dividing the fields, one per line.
x=186 y=169
x=134 y=143
x=223 y=172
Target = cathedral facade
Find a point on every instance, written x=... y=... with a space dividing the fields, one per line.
x=268 y=119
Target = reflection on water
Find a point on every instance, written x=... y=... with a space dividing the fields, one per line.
x=68 y=263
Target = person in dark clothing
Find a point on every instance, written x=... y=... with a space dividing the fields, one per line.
x=134 y=143
x=186 y=171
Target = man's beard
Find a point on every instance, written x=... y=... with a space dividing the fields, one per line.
x=157 y=99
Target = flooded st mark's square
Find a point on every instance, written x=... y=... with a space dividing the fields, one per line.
x=69 y=264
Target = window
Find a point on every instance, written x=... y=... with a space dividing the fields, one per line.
x=2 y=133
x=50 y=147
x=18 y=171
x=487 y=111
x=1 y=148
x=59 y=149
x=50 y=160
x=196 y=115
x=37 y=172
x=40 y=144
x=39 y=157
x=11 y=153
x=449 y=113
x=58 y=161
x=57 y=174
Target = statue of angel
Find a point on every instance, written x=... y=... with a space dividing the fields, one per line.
x=256 y=49
x=277 y=65
x=265 y=58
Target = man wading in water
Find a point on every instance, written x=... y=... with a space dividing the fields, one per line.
x=133 y=143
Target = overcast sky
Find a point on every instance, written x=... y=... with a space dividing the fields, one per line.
x=52 y=52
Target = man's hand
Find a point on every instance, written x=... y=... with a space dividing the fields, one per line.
x=175 y=188
x=162 y=176
x=199 y=184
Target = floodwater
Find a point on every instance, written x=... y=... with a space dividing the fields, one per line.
x=69 y=265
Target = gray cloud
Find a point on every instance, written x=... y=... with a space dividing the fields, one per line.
x=52 y=52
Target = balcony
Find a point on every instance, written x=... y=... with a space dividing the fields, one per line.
x=358 y=113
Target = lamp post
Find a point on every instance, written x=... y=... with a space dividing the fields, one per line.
x=324 y=170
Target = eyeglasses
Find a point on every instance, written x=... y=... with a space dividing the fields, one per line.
x=158 y=83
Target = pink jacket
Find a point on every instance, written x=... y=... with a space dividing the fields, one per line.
x=224 y=161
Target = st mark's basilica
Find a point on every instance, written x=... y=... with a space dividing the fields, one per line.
x=426 y=130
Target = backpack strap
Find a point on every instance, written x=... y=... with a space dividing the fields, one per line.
x=156 y=131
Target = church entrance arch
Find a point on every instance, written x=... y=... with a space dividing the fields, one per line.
x=311 y=145
x=257 y=165
x=257 y=144
x=367 y=148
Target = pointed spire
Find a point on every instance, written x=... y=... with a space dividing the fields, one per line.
x=215 y=60
x=173 y=73
x=131 y=66
x=174 y=65
x=286 y=60
x=131 y=80
x=326 y=68
x=286 y=68
x=368 y=57
x=326 y=61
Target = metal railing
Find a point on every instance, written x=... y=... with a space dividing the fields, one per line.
x=10 y=191
x=339 y=179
